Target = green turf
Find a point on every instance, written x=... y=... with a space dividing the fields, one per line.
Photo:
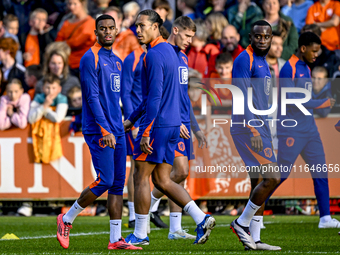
x=295 y=234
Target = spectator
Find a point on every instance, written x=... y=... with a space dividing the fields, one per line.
x=297 y=11
x=162 y=7
x=321 y=88
x=35 y=41
x=75 y=102
x=2 y=84
x=125 y=42
x=10 y=68
x=219 y=6
x=97 y=7
x=223 y=66
x=326 y=57
x=14 y=106
x=56 y=62
x=199 y=52
x=325 y=14
x=32 y=75
x=47 y=111
x=187 y=7
x=215 y=23
x=242 y=16
x=4 y=34
x=230 y=41
x=11 y=24
x=275 y=62
x=130 y=10
x=77 y=32
x=283 y=25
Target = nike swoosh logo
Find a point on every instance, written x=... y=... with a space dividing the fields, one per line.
x=256 y=220
x=301 y=75
x=175 y=216
x=140 y=218
x=116 y=224
x=260 y=66
x=105 y=64
x=252 y=207
x=76 y=207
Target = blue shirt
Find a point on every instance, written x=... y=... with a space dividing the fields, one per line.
x=297 y=13
x=131 y=93
x=160 y=86
x=100 y=80
x=251 y=70
x=296 y=74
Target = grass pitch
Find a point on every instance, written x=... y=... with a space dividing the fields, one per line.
x=90 y=235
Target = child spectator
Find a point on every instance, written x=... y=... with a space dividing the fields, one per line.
x=163 y=8
x=32 y=75
x=223 y=66
x=11 y=24
x=75 y=102
x=77 y=32
x=47 y=111
x=56 y=62
x=10 y=68
x=14 y=106
x=35 y=41
x=321 y=88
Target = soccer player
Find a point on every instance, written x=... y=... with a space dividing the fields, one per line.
x=103 y=131
x=131 y=95
x=304 y=138
x=183 y=29
x=254 y=145
x=159 y=130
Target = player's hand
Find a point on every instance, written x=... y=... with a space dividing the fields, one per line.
x=127 y=125
x=48 y=101
x=145 y=146
x=135 y=132
x=256 y=143
x=110 y=140
x=332 y=102
x=201 y=139
x=10 y=110
x=184 y=132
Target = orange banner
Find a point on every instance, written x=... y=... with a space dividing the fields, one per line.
x=65 y=178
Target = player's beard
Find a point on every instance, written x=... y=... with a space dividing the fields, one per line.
x=107 y=44
x=259 y=52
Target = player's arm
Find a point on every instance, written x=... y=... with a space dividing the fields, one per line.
x=127 y=82
x=242 y=79
x=90 y=88
x=197 y=131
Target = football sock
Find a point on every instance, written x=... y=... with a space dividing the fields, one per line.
x=247 y=214
x=72 y=213
x=255 y=228
x=154 y=203
x=141 y=226
x=175 y=221
x=194 y=211
x=115 y=230
x=131 y=206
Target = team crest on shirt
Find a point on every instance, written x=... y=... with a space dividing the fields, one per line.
x=183 y=75
x=119 y=66
x=185 y=60
x=290 y=141
x=267 y=85
x=115 y=82
x=268 y=152
x=309 y=86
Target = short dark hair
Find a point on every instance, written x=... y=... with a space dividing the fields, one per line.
x=312 y=28
x=223 y=58
x=35 y=70
x=161 y=4
x=260 y=23
x=102 y=17
x=184 y=22
x=153 y=17
x=308 y=38
x=276 y=33
x=51 y=78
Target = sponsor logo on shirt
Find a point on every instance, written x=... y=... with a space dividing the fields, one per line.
x=115 y=82
x=183 y=75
